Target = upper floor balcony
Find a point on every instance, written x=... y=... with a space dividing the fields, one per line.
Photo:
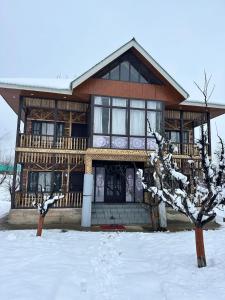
x=49 y=142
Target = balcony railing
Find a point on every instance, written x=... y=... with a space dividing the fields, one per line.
x=48 y=142
x=25 y=200
x=186 y=149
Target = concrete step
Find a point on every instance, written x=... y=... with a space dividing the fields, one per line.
x=131 y=213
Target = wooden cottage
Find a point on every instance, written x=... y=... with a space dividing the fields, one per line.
x=86 y=137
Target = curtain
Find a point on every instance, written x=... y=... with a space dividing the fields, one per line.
x=119 y=102
x=118 y=121
x=98 y=120
x=155 y=121
x=44 y=181
x=137 y=122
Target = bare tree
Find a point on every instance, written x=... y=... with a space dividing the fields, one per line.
x=6 y=162
x=8 y=185
x=200 y=197
x=46 y=201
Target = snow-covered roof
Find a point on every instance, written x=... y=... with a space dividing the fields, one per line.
x=39 y=84
x=201 y=103
x=66 y=86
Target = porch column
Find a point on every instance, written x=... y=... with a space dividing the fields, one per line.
x=162 y=215
x=209 y=134
x=87 y=193
x=13 y=196
x=181 y=132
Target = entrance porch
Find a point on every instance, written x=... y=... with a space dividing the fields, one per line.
x=117 y=182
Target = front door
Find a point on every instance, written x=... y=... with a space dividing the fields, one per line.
x=115 y=187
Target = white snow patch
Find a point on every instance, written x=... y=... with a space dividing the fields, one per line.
x=54 y=83
x=4 y=202
x=110 y=266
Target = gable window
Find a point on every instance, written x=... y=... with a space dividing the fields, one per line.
x=122 y=123
x=125 y=71
x=43 y=181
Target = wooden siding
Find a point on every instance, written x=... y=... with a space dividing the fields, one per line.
x=124 y=89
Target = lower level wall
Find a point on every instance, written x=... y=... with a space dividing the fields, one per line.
x=54 y=216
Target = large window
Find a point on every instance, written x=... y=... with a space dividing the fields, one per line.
x=44 y=181
x=124 y=123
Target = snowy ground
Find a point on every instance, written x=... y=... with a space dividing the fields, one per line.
x=4 y=202
x=108 y=266
x=120 y=266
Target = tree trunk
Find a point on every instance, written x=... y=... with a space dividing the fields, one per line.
x=40 y=225
x=200 y=250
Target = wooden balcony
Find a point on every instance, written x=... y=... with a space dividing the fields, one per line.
x=48 y=142
x=25 y=200
x=186 y=149
x=50 y=159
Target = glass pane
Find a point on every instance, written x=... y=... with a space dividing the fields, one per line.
x=137 y=143
x=60 y=129
x=106 y=76
x=99 y=184
x=134 y=75
x=151 y=144
x=186 y=137
x=120 y=142
x=114 y=74
x=175 y=136
x=154 y=105
x=44 y=181
x=101 y=120
x=142 y=79
x=129 y=185
x=124 y=71
x=50 y=129
x=137 y=122
x=138 y=188
x=102 y=101
x=137 y=103
x=119 y=121
x=119 y=102
x=154 y=119
x=36 y=128
x=100 y=141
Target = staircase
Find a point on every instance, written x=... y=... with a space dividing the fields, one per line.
x=124 y=214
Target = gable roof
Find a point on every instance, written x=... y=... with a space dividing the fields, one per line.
x=131 y=44
x=66 y=86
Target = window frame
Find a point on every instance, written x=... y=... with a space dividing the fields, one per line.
x=37 y=174
x=128 y=110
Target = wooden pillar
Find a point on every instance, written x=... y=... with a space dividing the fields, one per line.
x=16 y=154
x=54 y=144
x=88 y=165
x=181 y=132
x=209 y=134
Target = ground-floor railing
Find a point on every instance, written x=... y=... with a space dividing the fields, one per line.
x=26 y=200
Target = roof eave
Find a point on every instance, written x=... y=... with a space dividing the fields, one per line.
x=36 y=89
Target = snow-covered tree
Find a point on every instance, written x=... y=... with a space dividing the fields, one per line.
x=47 y=201
x=201 y=196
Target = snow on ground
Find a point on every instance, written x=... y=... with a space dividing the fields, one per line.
x=4 y=201
x=120 y=266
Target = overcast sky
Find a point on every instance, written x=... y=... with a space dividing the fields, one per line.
x=50 y=38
